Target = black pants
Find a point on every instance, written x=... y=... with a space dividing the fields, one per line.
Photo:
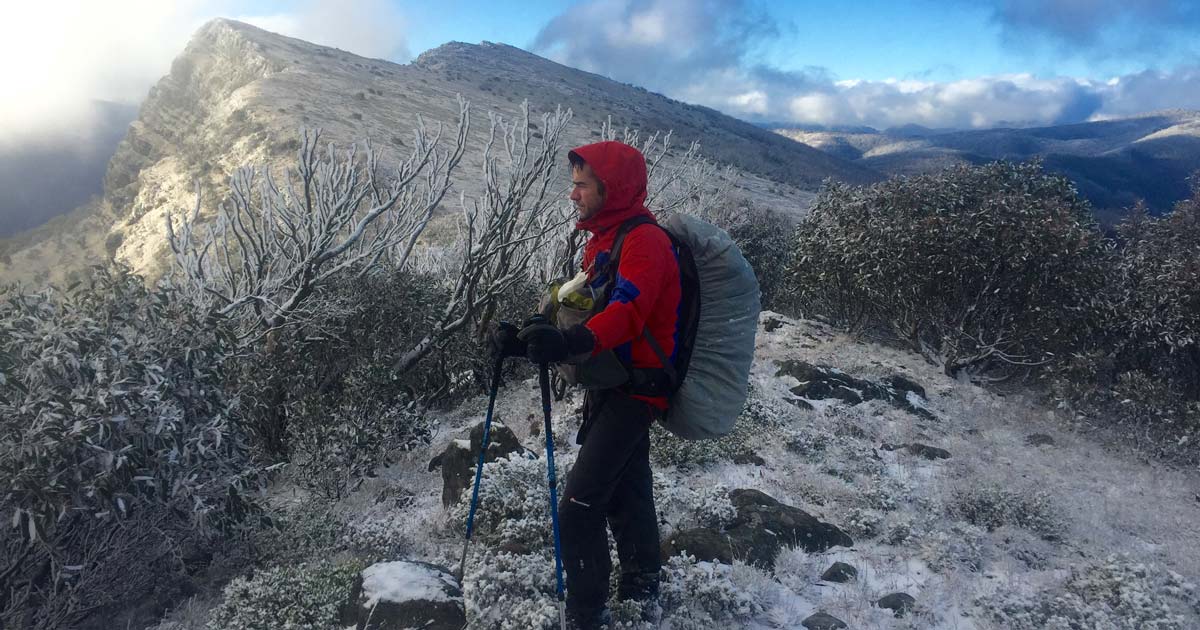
x=610 y=482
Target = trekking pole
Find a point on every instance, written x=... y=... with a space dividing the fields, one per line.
x=544 y=377
x=487 y=429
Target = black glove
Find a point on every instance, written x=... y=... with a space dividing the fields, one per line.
x=547 y=344
x=504 y=341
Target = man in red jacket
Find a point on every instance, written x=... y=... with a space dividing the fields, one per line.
x=611 y=480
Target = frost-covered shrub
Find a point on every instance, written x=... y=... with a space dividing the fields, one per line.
x=992 y=506
x=1117 y=594
x=111 y=399
x=505 y=591
x=668 y=450
x=117 y=440
x=765 y=239
x=860 y=523
x=299 y=534
x=375 y=540
x=334 y=450
x=977 y=267
x=696 y=595
x=963 y=546
x=305 y=597
x=514 y=502
x=685 y=505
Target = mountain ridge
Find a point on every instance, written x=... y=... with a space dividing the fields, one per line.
x=238 y=95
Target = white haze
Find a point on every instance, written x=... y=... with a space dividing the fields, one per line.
x=57 y=57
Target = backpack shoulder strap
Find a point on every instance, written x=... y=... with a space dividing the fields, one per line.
x=614 y=258
x=614 y=263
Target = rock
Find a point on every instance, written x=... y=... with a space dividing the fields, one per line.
x=926 y=451
x=772 y=324
x=800 y=403
x=458 y=460
x=764 y=526
x=839 y=572
x=1039 y=439
x=898 y=603
x=822 y=621
x=707 y=545
x=821 y=382
x=405 y=594
x=749 y=457
x=904 y=384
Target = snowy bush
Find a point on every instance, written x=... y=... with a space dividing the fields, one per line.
x=336 y=449
x=696 y=595
x=979 y=268
x=514 y=503
x=860 y=523
x=759 y=413
x=116 y=438
x=505 y=591
x=1117 y=594
x=687 y=506
x=304 y=597
x=962 y=546
x=992 y=506
x=765 y=239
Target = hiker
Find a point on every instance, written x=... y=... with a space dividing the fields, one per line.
x=611 y=480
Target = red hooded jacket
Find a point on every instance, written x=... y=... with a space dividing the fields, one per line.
x=647 y=290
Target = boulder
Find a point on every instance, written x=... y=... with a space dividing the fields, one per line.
x=839 y=572
x=818 y=382
x=917 y=449
x=926 y=451
x=898 y=603
x=458 y=460
x=1039 y=439
x=763 y=526
x=707 y=545
x=406 y=594
x=822 y=621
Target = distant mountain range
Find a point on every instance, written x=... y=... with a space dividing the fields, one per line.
x=1112 y=162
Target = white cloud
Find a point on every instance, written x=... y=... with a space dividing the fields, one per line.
x=57 y=56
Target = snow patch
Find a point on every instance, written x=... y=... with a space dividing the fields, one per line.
x=405 y=582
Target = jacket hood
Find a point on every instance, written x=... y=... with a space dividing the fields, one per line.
x=622 y=168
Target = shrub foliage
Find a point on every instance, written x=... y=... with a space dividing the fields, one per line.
x=977 y=268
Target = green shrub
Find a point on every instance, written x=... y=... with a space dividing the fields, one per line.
x=305 y=597
x=977 y=267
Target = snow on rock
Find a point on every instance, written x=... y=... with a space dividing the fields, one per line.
x=408 y=594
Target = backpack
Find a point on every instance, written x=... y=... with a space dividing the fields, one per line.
x=718 y=319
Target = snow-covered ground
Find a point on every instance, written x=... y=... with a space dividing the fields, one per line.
x=1066 y=535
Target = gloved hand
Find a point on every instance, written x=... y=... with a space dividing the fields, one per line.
x=504 y=341
x=545 y=343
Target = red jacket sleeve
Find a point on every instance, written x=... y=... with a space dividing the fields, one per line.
x=647 y=262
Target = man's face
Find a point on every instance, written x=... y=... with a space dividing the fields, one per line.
x=585 y=192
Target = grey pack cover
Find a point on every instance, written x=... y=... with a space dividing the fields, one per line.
x=713 y=391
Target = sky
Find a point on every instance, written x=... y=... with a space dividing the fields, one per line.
x=948 y=64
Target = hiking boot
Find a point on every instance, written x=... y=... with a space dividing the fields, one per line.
x=592 y=619
x=643 y=589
